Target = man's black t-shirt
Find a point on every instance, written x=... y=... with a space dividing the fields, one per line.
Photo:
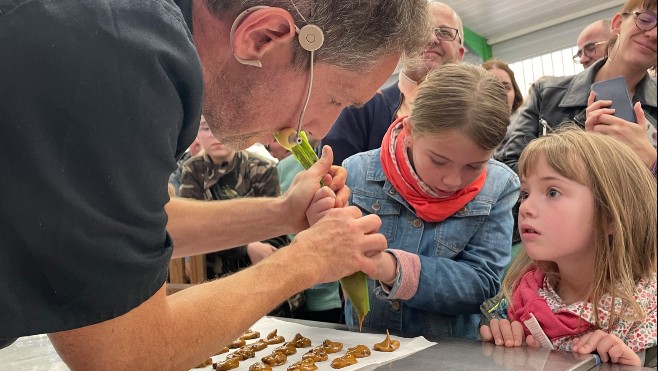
x=97 y=100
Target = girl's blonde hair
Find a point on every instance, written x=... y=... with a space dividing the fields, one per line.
x=462 y=97
x=624 y=235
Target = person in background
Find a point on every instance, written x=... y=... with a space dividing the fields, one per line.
x=277 y=151
x=120 y=86
x=505 y=75
x=445 y=206
x=359 y=129
x=288 y=166
x=175 y=177
x=221 y=173
x=587 y=270
x=554 y=101
x=592 y=42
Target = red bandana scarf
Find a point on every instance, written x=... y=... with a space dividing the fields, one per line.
x=427 y=204
x=526 y=300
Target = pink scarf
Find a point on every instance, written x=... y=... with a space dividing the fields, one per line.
x=427 y=205
x=526 y=300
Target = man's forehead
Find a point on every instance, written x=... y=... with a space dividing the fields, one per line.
x=356 y=88
x=592 y=34
x=443 y=17
x=353 y=91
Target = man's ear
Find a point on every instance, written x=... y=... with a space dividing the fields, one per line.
x=460 y=56
x=261 y=31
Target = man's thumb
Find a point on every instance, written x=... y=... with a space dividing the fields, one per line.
x=324 y=163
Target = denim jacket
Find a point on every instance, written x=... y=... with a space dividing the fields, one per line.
x=462 y=258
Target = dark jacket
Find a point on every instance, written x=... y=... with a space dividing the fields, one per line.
x=560 y=100
x=361 y=129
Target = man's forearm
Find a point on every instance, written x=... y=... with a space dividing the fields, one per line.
x=198 y=227
x=179 y=331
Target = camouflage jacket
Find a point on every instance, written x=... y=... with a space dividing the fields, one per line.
x=247 y=175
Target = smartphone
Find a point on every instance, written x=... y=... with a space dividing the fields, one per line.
x=615 y=90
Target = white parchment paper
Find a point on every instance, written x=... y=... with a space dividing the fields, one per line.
x=318 y=335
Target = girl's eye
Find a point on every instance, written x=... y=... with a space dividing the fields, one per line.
x=552 y=193
x=438 y=163
x=523 y=195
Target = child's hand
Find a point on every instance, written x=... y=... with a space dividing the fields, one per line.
x=258 y=251
x=323 y=201
x=609 y=347
x=502 y=332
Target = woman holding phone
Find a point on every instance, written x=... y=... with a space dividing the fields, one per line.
x=554 y=101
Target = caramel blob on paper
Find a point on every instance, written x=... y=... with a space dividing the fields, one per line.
x=259 y=366
x=229 y=364
x=387 y=345
x=332 y=346
x=344 y=361
x=300 y=341
x=250 y=334
x=303 y=365
x=359 y=351
x=273 y=338
x=205 y=363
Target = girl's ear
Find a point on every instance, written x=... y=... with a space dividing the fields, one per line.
x=408 y=136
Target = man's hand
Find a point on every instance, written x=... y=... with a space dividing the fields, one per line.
x=339 y=244
x=609 y=347
x=502 y=332
x=299 y=196
x=258 y=251
x=600 y=119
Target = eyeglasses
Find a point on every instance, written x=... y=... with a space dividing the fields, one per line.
x=447 y=33
x=645 y=21
x=588 y=50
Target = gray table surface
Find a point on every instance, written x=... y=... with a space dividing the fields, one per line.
x=464 y=355
x=37 y=353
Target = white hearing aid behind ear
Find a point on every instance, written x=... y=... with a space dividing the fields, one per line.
x=236 y=23
x=310 y=37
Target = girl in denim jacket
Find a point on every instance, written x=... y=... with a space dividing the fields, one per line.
x=585 y=279
x=444 y=203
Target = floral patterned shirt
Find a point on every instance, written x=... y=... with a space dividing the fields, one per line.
x=638 y=335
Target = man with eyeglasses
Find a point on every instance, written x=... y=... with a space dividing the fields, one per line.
x=554 y=102
x=360 y=129
x=592 y=42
